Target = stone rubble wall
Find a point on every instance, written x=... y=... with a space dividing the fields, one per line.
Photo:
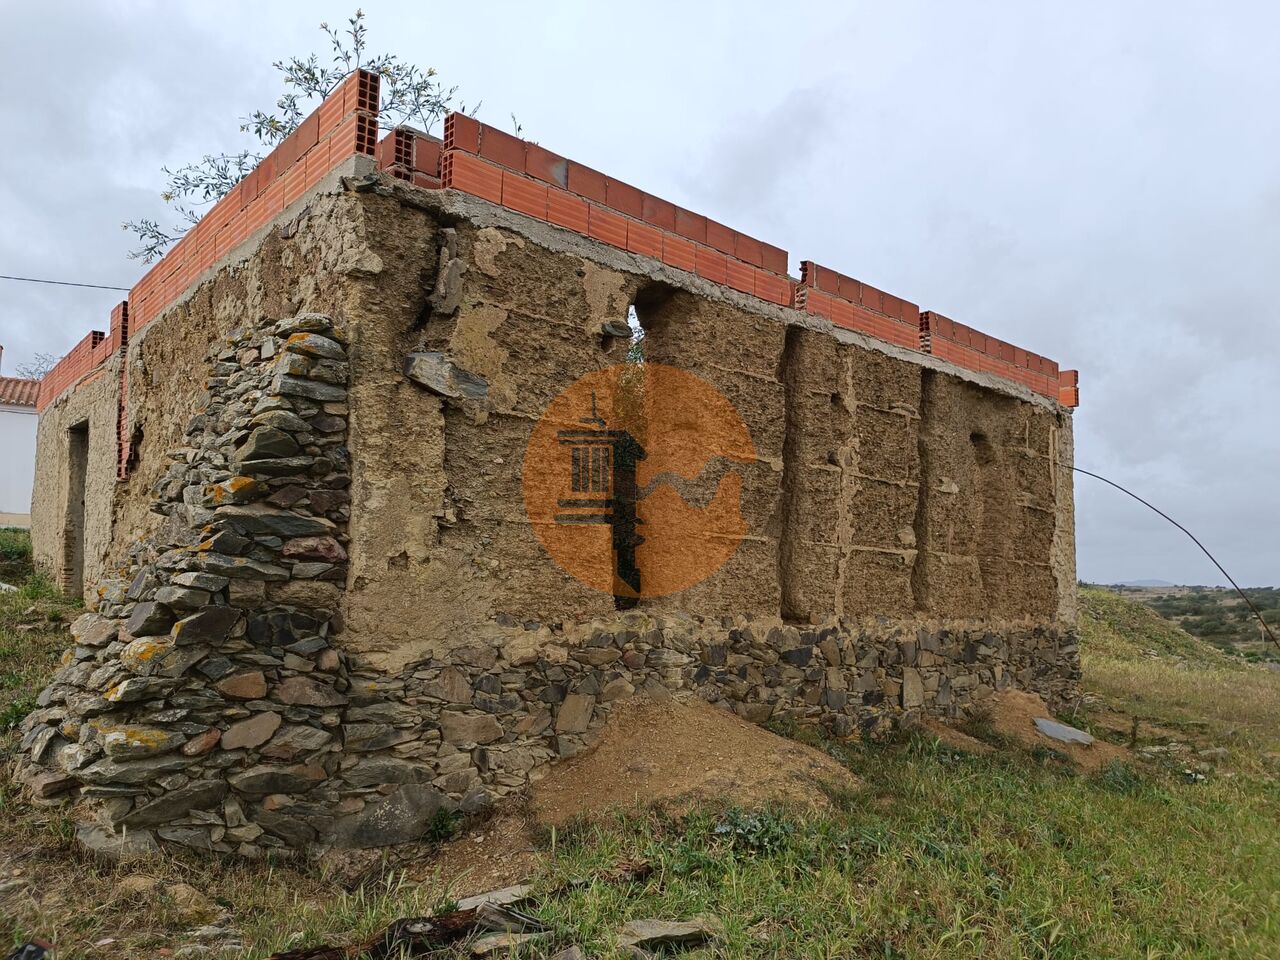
x=204 y=684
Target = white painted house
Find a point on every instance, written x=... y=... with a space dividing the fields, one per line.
x=17 y=449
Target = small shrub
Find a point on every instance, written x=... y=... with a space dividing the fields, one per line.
x=764 y=832
x=14 y=713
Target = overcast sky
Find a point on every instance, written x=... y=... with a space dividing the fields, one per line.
x=1098 y=182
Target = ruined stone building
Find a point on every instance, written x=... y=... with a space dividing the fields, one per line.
x=378 y=502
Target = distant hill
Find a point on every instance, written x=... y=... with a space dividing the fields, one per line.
x=1216 y=615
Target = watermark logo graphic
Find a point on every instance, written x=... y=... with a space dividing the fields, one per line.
x=632 y=480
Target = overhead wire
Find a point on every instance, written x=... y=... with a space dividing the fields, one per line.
x=1194 y=539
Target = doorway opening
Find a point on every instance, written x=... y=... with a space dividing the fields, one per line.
x=72 y=578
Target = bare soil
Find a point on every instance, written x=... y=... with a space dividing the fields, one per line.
x=671 y=753
x=682 y=750
x=1013 y=715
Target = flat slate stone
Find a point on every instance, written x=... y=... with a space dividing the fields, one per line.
x=668 y=933
x=503 y=898
x=1060 y=731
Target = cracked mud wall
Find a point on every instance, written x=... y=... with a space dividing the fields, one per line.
x=441 y=545
x=911 y=493
x=854 y=434
x=991 y=512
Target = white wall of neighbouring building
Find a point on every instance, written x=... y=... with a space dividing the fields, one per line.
x=17 y=458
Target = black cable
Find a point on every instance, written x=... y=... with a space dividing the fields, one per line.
x=63 y=283
x=1266 y=629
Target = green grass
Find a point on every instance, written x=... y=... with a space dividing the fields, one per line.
x=938 y=855
x=15 y=554
x=1146 y=666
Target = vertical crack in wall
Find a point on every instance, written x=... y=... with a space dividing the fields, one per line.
x=848 y=463
x=920 y=525
x=992 y=505
x=794 y=606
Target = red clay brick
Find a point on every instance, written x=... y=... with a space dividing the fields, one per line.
x=472 y=175
x=461 y=133
x=624 y=198
x=329 y=114
x=775 y=259
x=566 y=210
x=524 y=195
x=586 y=182
x=827 y=280
x=691 y=225
x=308 y=133
x=426 y=156
x=499 y=147
x=710 y=264
x=740 y=276
x=720 y=237
x=658 y=212
x=546 y=166
x=644 y=239
x=266 y=172
x=607 y=226
x=385 y=155
x=774 y=288
x=678 y=252
x=748 y=249
x=850 y=288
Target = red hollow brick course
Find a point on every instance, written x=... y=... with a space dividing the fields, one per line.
x=604 y=224
x=644 y=239
x=524 y=195
x=531 y=180
x=567 y=210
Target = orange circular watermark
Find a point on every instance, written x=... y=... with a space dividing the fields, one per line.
x=631 y=480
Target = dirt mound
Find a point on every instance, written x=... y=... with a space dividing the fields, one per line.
x=957 y=739
x=1013 y=714
x=654 y=751
x=670 y=752
x=495 y=854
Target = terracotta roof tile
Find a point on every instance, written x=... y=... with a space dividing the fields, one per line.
x=19 y=393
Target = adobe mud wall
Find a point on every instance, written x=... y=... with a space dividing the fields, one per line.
x=880 y=486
